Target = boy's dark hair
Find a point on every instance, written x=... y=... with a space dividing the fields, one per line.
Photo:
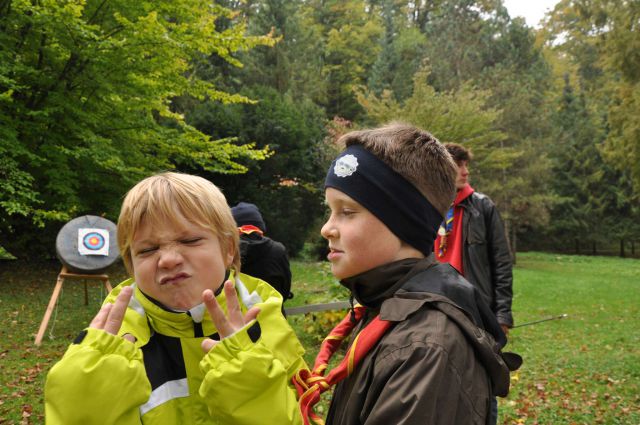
x=458 y=152
x=414 y=154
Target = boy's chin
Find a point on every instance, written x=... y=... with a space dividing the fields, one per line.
x=183 y=305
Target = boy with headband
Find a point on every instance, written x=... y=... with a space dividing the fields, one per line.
x=423 y=348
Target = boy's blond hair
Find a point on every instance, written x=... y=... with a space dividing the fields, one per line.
x=160 y=198
x=414 y=154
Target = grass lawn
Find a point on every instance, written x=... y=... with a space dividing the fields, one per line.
x=584 y=369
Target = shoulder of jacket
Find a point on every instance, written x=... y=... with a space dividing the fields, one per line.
x=481 y=196
x=265 y=291
x=483 y=200
x=429 y=328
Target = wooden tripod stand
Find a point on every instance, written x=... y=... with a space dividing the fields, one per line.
x=64 y=274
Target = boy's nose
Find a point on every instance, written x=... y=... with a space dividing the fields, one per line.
x=169 y=258
x=328 y=230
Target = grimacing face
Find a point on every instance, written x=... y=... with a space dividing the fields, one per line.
x=358 y=240
x=174 y=263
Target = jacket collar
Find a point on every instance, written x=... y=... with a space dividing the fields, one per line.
x=374 y=286
x=146 y=315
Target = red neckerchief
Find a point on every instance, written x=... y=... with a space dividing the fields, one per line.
x=248 y=229
x=310 y=384
x=448 y=245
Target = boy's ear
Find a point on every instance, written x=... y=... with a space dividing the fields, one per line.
x=230 y=253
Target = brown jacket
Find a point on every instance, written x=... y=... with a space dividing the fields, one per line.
x=436 y=365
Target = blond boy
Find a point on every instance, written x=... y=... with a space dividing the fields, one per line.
x=153 y=354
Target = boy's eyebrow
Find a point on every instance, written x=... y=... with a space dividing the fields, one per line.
x=180 y=235
x=143 y=242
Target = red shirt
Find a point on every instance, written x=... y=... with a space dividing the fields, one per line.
x=452 y=246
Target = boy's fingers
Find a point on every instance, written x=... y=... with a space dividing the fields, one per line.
x=216 y=313
x=233 y=306
x=116 y=315
x=100 y=318
x=251 y=314
x=132 y=339
x=208 y=344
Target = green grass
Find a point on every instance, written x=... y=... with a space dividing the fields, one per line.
x=584 y=369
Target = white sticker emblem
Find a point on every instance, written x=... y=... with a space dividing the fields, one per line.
x=345 y=166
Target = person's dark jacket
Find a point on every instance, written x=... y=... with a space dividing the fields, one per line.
x=436 y=365
x=486 y=258
x=266 y=259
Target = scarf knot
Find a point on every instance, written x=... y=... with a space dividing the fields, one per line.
x=310 y=384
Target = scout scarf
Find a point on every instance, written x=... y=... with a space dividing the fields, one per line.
x=248 y=229
x=310 y=384
x=449 y=241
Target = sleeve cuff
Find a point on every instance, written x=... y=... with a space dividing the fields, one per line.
x=106 y=343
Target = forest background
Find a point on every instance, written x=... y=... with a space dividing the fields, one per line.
x=96 y=94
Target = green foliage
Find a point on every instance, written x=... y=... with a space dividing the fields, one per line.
x=95 y=95
x=86 y=93
x=400 y=56
x=293 y=66
x=602 y=41
x=350 y=34
x=289 y=181
x=596 y=201
x=463 y=38
x=459 y=116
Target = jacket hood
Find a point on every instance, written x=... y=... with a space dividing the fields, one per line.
x=442 y=288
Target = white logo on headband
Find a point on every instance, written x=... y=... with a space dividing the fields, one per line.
x=345 y=166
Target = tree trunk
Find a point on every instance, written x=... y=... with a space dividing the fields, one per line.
x=633 y=248
x=622 y=254
x=594 y=250
x=577 y=247
x=510 y=246
x=514 y=240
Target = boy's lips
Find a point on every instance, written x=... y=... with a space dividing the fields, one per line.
x=334 y=254
x=176 y=278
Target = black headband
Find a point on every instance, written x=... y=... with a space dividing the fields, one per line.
x=387 y=195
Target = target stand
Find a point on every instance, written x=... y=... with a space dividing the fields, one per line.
x=65 y=274
x=83 y=247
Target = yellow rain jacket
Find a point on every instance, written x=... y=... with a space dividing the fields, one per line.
x=165 y=378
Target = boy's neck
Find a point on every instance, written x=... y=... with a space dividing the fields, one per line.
x=372 y=287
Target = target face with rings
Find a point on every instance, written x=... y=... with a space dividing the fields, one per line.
x=93 y=241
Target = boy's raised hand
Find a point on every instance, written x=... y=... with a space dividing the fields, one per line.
x=229 y=324
x=110 y=316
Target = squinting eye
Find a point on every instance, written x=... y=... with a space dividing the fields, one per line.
x=191 y=241
x=147 y=250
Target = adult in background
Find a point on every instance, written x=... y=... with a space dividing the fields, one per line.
x=261 y=256
x=472 y=239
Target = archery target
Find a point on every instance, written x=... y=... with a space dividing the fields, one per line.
x=84 y=245
x=93 y=242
